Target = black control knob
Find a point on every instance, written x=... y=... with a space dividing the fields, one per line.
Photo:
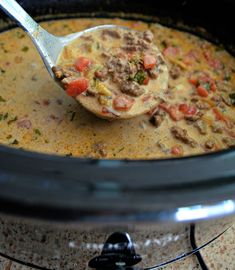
x=118 y=253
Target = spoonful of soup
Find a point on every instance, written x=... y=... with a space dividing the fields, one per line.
x=114 y=72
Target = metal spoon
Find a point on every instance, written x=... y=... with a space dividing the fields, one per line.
x=48 y=45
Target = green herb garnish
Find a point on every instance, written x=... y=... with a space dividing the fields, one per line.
x=2 y=99
x=164 y=44
x=3 y=116
x=15 y=142
x=227 y=78
x=12 y=120
x=207 y=86
x=37 y=131
x=25 y=49
x=232 y=97
x=140 y=76
x=2 y=71
x=72 y=115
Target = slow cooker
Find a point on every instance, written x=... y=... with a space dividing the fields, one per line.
x=100 y=213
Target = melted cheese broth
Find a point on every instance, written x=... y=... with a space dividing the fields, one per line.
x=37 y=115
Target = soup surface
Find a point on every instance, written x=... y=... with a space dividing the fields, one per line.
x=196 y=114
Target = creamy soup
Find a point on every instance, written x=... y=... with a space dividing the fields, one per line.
x=194 y=115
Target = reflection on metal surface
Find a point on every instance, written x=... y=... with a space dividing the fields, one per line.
x=198 y=212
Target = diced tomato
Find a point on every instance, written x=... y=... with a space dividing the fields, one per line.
x=146 y=81
x=213 y=86
x=202 y=91
x=213 y=62
x=188 y=110
x=191 y=57
x=173 y=111
x=183 y=108
x=221 y=117
x=170 y=51
x=177 y=150
x=191 y=110
x=77 y=86
x=104 y=110
x=207 y=55
x=123 y=103
x=149 y=61
x=82 y=63
x=216 y=64
x=218 y=114
x=193 y=80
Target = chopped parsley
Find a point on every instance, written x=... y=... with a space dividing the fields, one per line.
x=12 y=120
x=164 y=44
x=2 y=71
x=232 y=97
x=15 y=142
x=97 y=45
x=207 y=86
x=2 y=99
x=25 y=49
x=37 y=131
x=3 y=116
x=72 y=115
x=140 y=76
x=227 y=78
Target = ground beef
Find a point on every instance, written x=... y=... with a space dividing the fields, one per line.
x=193 y=118
x=157 y=118
x=223 y=86
x=120 y=70
x=132 y=88
x=118 y=65
x=175 y=72
x=102 y=74
x=153 y=73
x=68 y=80
x=148 y=36
x=64 y=72
x=229 y=142
x=24 y=123
x=227 y=100
x=216 y=128
x=209 y=144
x=201 y=127
x=131 y=48
x=160 y=60
x=100 y=149
x=216 y=99
x=182 y=135
x=58 y=72
x=91 y=92
x=202 y=105
x=106 y=55
x=136 y=42
x=111 y=33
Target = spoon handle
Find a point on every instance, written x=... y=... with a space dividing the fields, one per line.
x=17 y=13
x=47 y=44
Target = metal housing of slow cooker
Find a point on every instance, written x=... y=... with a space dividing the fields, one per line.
x=67 y=188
